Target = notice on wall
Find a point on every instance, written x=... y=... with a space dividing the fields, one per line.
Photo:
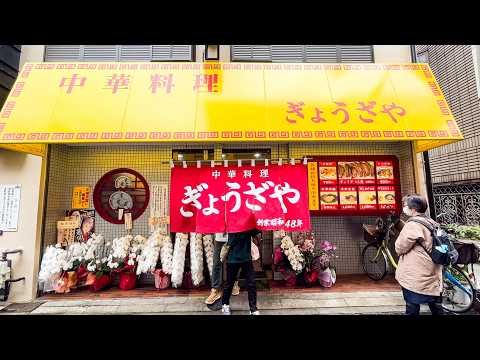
x=9 y=206
x=81 y=197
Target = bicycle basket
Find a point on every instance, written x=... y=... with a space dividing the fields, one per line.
x=370 y=233
x=467 y=253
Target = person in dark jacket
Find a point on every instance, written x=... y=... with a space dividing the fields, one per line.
x=239 y=256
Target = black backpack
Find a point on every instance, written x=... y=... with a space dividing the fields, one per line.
x=439 y=237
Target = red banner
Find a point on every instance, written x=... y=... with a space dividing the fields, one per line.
x=233 y=199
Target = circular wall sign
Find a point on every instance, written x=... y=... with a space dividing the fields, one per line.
x=121 y=189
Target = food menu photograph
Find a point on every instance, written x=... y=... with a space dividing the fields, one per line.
x=358 y=184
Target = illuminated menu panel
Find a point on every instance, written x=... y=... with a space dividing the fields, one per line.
x=328 y=198
x=358 y=184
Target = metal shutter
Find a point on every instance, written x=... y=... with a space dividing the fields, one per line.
x=303 y=53
x=100 y=53
x=321 y=53
x=118 y=53
x=172 y=52
x=251 y=53
x=356 y=53
x=62 y=53
x=182 y=52
x=135 y=52
x=288 y=53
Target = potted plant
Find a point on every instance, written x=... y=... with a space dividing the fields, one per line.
x=323 y=263
x=103 y=275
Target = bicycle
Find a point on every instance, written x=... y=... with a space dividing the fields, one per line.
x=458 y=291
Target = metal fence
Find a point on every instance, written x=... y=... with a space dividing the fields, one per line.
x=460 y=203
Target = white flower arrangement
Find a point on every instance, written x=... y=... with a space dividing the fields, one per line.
x=92 y=247
x=50 y=267
x=208 y=248
x=293 y=253
x=166 y=255
x=121 y=246
x=181 y=242
x=148 y=258
x=196 y=258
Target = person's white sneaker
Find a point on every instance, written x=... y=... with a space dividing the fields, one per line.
x=226 y=310
x=255 y=312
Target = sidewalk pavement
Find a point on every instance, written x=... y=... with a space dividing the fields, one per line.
x=331 y=303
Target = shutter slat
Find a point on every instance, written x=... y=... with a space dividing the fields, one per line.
x=100 y=53
x=356 y=53
x=118 y=53
x=251 y=53
x=288 y=53
x=303 y=53
x=62 y=53
x=135 y=52
x=171 y=52
x=321 y=53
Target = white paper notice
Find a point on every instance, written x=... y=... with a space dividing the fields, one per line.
x=9 y=206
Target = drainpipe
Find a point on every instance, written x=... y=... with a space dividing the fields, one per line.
x=426 y=160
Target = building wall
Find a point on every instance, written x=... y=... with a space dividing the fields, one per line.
x=84 y=165
x=453 y=67
x=394 y=54
x=23 y=169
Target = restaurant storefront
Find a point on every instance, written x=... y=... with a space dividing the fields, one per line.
x=113 y=134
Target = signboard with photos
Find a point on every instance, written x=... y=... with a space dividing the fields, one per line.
x=355 y=185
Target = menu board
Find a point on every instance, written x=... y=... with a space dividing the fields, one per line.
x=348 y=198
x=328 y=198
x=357 y=185
x=386 y=197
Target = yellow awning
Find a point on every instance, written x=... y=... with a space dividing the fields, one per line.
x=153 y=102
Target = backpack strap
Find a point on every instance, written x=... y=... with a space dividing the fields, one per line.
x=428 y=225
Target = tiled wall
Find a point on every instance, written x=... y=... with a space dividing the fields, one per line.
x=84 y=165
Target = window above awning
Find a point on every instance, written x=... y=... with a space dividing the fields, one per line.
x=220 y=102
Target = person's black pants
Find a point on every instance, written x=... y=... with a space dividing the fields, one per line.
x=414 y=309
x=413 y=301
x=232 y=274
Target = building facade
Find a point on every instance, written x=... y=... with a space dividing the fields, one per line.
x=47 y=181
x=455 y=168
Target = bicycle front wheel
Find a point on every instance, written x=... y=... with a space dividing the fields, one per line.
x=374 y=262
x=458 y=292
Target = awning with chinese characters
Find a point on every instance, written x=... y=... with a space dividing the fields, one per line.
x=172 y=102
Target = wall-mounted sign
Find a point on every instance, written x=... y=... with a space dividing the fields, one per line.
x=356 y=185
x=313 y=200
x=234 y=199
x=81 y=197
x=85 y=220
x=189 y=102
x=121 y=190
x=9 y=206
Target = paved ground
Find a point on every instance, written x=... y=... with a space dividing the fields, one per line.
x=331 y=303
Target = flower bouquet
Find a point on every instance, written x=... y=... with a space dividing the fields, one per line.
x=123 y=259
x=323 y=264
x=288 y=259
x=99 y=272
x=306 y=243
x=51 y=268
x=103 y=274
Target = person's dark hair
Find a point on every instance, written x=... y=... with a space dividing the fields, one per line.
x=417 y=202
